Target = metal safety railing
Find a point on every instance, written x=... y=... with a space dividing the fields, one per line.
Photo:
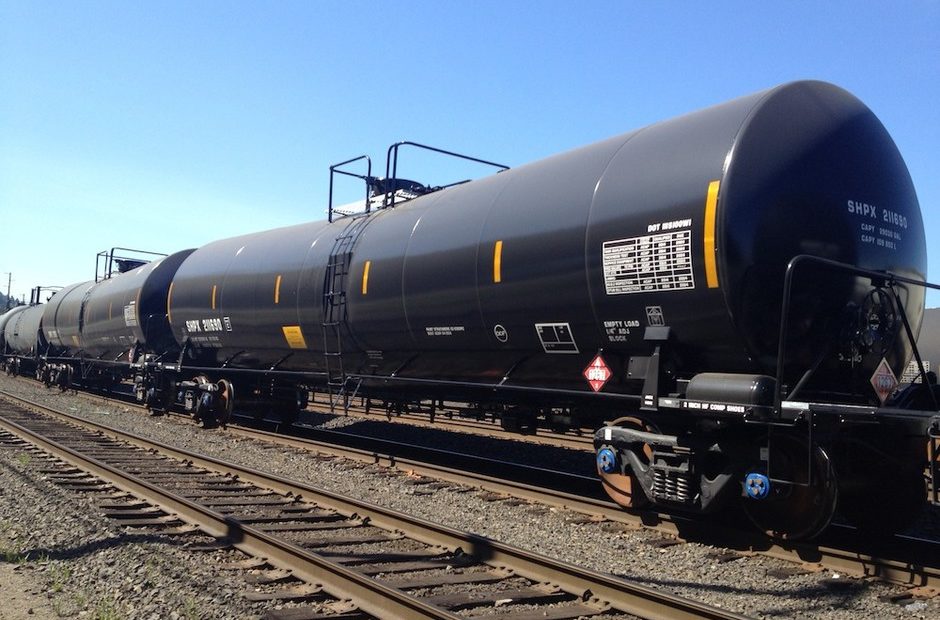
x=367 y=177
x=391 y=166
x=879 y=280
x=107 y=261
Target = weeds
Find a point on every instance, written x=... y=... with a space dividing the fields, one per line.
x=12 y=555
x=106 y=609
x=190 y=609
x=60 y=575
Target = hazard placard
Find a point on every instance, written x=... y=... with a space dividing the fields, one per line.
x=884 y=381
x=597 y=373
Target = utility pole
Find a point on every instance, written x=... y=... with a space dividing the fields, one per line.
x=9 y=282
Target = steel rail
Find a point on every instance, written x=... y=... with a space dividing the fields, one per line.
x=639 y=600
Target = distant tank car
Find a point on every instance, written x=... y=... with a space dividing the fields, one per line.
x=22 y=338
x=738 y=289
x=4 y=319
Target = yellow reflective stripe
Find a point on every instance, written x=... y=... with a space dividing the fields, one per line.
x=277 y=290
x=213 y=296
x=365 y=277
x=137 y=305
x=498 y=262
x=294 y=337
x=169 y=300
x=711 y=219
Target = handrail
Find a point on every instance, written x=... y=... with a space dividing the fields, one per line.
x=109 y=257
x=391 y=164
x=335 y=169
x=883 y=278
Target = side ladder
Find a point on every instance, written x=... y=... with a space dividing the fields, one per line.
x=335 y=311
x=933 y=460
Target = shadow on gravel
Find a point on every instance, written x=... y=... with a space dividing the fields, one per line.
x=812 y=598
x=89 y=548
x=511 y=447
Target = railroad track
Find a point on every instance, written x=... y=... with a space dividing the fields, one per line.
x=388 y=563
x=899 y=560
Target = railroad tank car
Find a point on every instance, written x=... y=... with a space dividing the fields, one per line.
x=254 y=300
x=4 y=318
x=62 y=319
x=99 y=329
x=23 y=339
x=739 y=287
x=129 y=309
x=689 y=274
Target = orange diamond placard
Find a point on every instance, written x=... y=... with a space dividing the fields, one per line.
x=597 y=373
x=884 y=381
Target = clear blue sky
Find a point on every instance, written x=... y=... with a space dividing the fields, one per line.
x=165 y=125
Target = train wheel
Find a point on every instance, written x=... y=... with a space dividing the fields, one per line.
x=792 y=511
x=226 y=402
x=199 y=407
x=620 y=484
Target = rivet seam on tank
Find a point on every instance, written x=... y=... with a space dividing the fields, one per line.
x=498 y=262
x=277 y=290
x=365 y=277
x=169 y=299
x=213 y=296
x=294 y=337
x=711 y=219
x=110 y=304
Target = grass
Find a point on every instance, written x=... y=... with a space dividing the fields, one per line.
x=151 y=572
x=191 y=609
x=106 y=609
x=11 y=555
x=60 y=575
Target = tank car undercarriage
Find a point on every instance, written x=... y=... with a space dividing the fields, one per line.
x=790 y=476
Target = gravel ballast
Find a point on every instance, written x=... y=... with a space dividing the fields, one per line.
x=59 y=522
x=81 y=564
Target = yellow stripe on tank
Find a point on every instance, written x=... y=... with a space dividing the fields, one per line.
x=498 y=262
x=365 y=277
x=213 y=296
x=711 y=221
x=277 y=290
x=169 y=300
